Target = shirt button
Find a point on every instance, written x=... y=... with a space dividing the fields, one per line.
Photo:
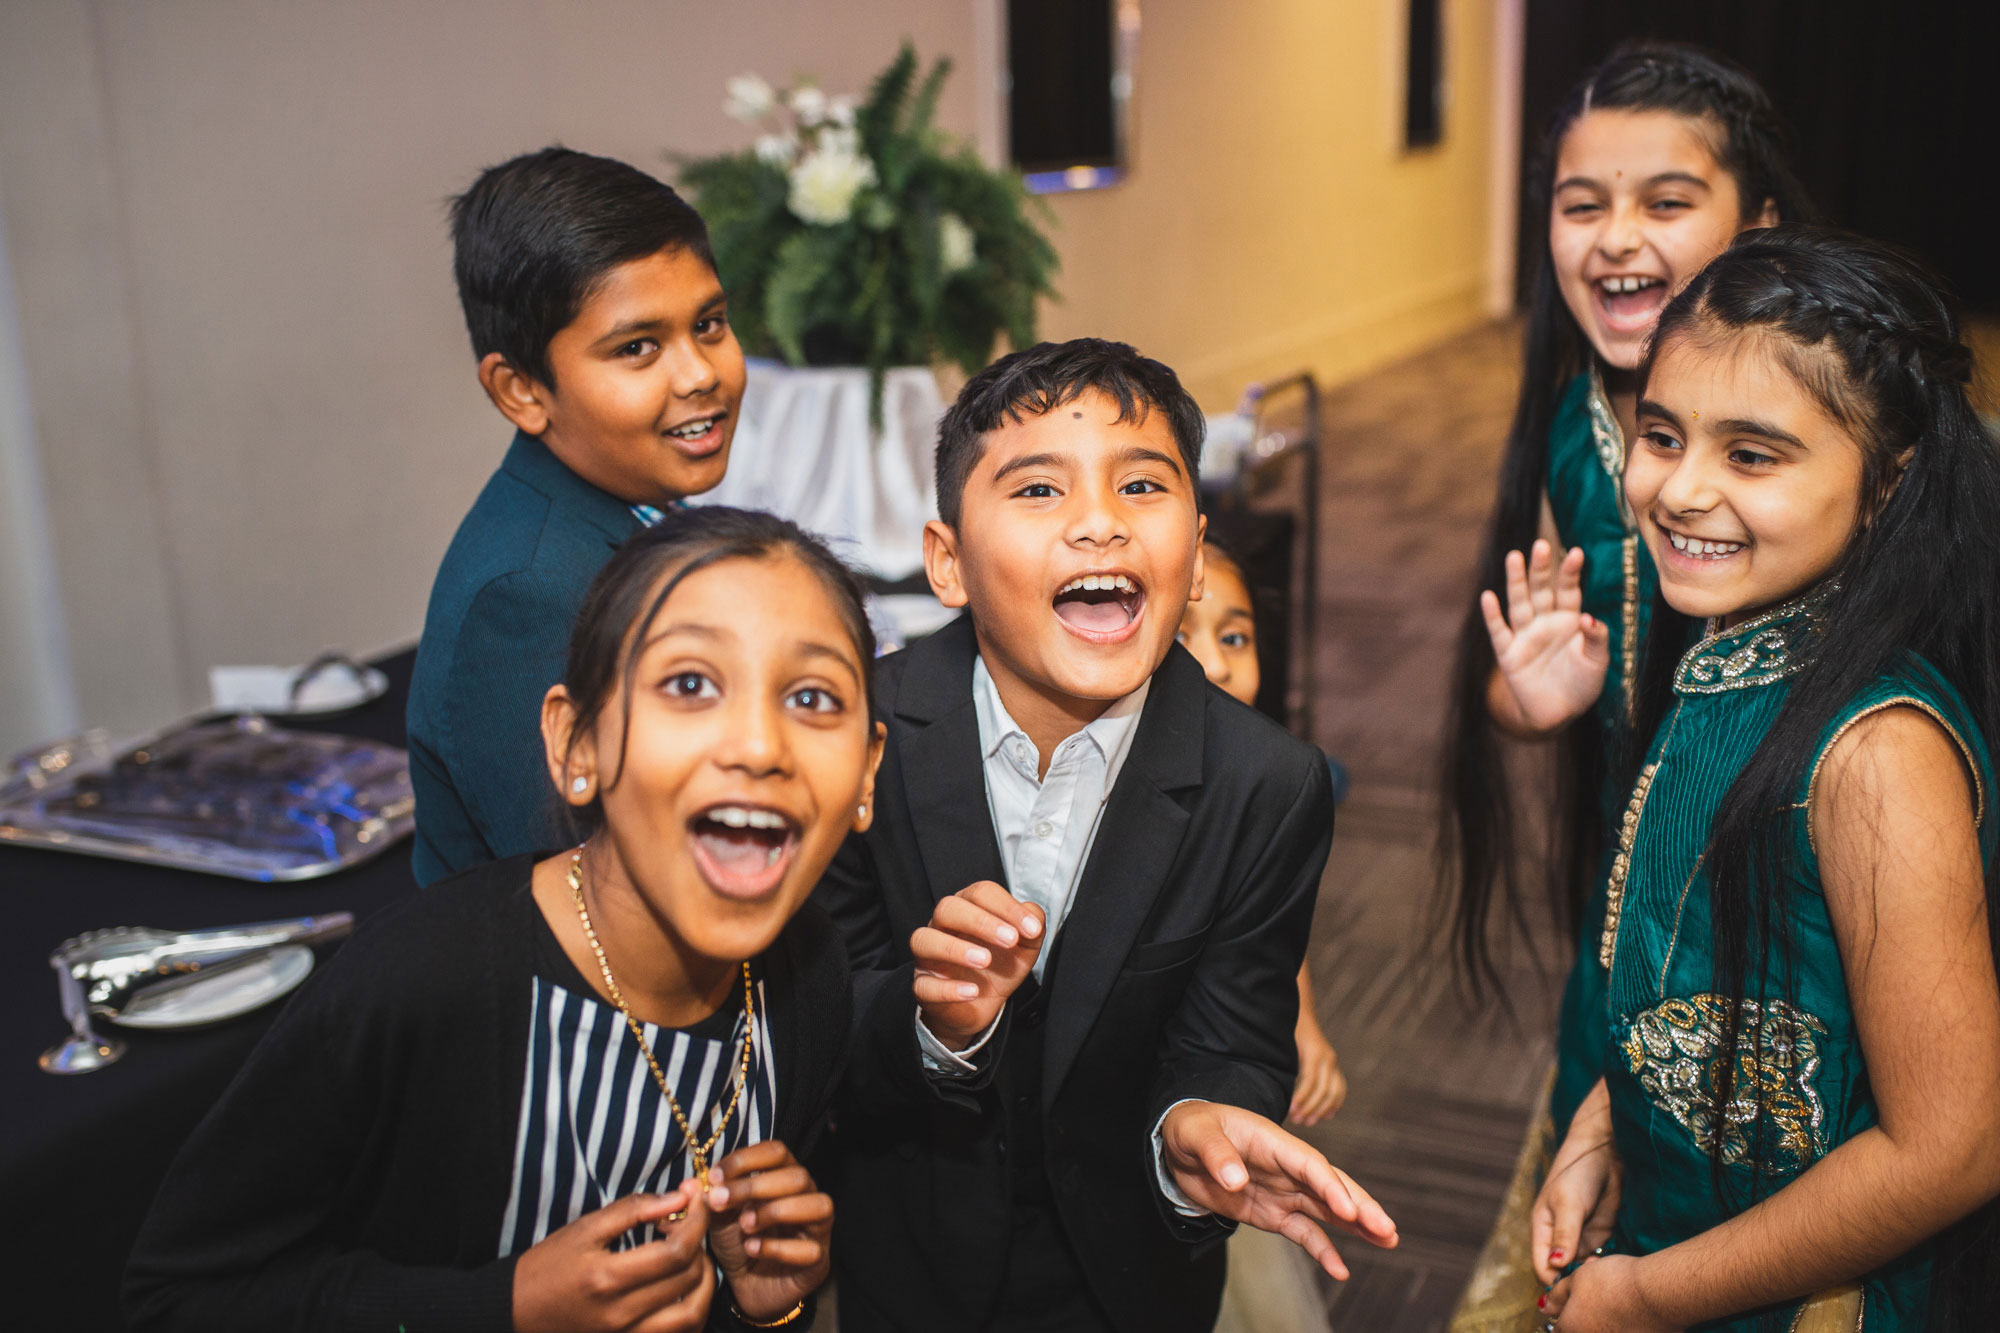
x=1044 y=829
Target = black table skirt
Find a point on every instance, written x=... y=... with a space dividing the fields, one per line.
x=81 y=1156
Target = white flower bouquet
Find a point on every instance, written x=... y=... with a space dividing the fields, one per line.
x=854 y=232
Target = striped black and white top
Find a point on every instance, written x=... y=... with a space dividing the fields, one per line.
x=593 y=1126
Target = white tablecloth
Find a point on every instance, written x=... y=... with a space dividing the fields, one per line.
x=803 y=449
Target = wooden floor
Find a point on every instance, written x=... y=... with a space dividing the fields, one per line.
x=1440 y=1094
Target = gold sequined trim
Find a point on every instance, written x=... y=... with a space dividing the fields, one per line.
x=1609 y=438
x=1758 y=652
x=1628 y=834
x=1900 y=701
x=1675 y=1050
x=1628 y=642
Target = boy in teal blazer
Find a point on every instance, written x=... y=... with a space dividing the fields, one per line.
x=603 y=335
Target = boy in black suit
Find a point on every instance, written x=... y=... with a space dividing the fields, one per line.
x=1080 y=908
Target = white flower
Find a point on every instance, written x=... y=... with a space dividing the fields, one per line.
x=840 y=110
x=824 y=185
x=808 y=104
x=777 y=149
x=833 y=139
x=749 y=99
x=955 y=245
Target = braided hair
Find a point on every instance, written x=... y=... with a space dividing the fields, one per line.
x=1872 y=337
x=1479 y=862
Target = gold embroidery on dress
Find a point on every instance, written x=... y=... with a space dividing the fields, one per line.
x=1609 y=438
x=1628 y=640
x=1675 y=1051
x=1628 y=834
x=1757 y=652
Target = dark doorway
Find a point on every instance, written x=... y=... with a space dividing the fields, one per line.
x=1893 y=107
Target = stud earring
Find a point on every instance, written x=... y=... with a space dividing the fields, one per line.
x=580 y=785
x=862 y=810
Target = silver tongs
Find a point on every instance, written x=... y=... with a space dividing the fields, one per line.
x=106 y=971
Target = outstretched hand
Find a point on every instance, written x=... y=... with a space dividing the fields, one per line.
x=1239 y=1165
x=1551 y=655
x=980 y=945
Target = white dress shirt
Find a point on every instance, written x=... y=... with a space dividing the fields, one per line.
x=1046 y=825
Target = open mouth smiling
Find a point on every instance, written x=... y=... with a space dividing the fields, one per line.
x=1630 y=301
x=1101 y=607
x=1697 y=548
x=699 y=436
x=743 y=850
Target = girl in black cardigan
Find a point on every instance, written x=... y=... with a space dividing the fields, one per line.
x=573 y=1094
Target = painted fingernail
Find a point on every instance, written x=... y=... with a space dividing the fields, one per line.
x=1541 y=1302
x=1555 y=1256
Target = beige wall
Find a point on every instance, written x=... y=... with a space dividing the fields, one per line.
x=1271 y=220
x=251 y=394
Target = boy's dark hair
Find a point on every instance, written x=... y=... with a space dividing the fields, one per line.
x=535 y=235
x=1044 y=377
x=619 y=610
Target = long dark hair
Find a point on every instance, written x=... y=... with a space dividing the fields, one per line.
x=1479 y=856
x=625 y=599
x=1871 y=336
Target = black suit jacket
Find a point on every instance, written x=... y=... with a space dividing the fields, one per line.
x=1175 y=979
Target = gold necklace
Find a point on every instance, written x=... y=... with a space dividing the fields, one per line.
x=699 y=1151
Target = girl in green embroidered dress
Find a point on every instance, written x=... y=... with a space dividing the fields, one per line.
x=1655 y=160
x=1799 y=1121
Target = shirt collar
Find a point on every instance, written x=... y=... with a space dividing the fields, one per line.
x=1110 y=731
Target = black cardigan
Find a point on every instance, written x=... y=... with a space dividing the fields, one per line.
x=354 y=1175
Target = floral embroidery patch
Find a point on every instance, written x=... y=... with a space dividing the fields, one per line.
x=1675 y=1051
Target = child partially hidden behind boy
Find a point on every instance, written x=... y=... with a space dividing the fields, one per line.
x=1081 y=907
x=603 y=336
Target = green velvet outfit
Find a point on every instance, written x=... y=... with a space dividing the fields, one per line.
x=1586 y=497
x=1663 y=1015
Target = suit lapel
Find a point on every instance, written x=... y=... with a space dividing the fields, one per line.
x=1137 y=843
x=944 y=774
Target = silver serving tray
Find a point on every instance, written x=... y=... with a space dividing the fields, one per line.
x=233 y=796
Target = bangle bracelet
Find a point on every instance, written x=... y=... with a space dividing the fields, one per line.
x=789 y=1316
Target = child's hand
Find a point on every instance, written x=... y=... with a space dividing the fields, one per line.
x=1579 y=1199
x=1239 y=1165
x=769 y=1229
x=1321 y=1087
x=1604 y=1296
x=980 y=946
x=572 y=1281
x=1551 y=656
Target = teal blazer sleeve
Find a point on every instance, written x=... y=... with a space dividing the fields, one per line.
x=496 y=637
